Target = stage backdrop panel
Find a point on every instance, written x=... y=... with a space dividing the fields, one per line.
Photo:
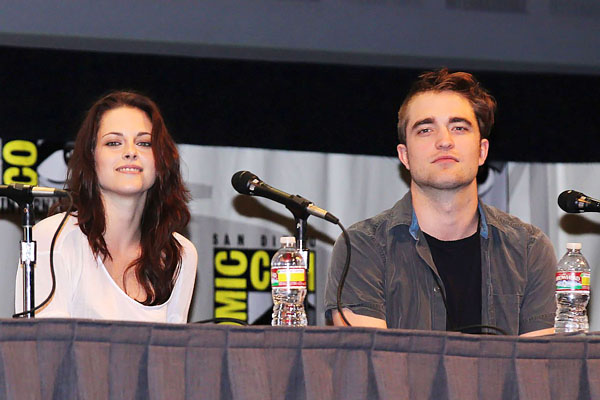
x=236 y=235
x=552 y=35
x=236 y=230
x=533 y=192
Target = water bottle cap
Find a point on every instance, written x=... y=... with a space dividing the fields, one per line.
x=288 y=241
x=574 y=246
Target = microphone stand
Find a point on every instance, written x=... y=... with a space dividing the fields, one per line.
x=24 y=198
x=27 y=258
x=23 y=195
x=301 y=229
x=301 y=217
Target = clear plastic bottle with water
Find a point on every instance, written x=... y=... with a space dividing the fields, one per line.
x=288 y=285
x=572 y=291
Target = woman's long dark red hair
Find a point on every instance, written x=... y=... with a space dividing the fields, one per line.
x=165 y=211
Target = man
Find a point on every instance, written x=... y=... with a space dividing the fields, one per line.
x=440 y=259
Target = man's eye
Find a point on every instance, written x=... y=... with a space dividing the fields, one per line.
x=423 y=131
x=461 y=128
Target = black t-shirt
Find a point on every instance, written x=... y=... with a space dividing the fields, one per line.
x=459 y=265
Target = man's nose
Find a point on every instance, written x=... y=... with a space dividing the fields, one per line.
x=444 y=139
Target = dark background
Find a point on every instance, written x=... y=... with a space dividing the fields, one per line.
x=546 y=117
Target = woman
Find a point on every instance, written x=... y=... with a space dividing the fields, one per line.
x=118 y=256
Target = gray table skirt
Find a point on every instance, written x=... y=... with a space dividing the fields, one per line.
x=82 y=359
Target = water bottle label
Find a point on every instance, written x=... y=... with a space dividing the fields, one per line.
x=569 y=281
x=288 y=277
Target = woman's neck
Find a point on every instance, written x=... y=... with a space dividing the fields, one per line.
x=123 y=216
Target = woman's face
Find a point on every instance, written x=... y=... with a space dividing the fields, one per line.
x=124 y=158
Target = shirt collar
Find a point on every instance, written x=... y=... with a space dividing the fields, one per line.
x=413 y=228
x=483 y=226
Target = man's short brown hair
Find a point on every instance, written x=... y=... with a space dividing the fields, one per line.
x=462 y=83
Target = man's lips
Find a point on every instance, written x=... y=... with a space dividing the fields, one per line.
x=444 y=159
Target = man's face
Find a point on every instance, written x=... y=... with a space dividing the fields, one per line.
x=443 y=147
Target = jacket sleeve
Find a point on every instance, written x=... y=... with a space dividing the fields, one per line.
x=363 y=290
x=538 y=306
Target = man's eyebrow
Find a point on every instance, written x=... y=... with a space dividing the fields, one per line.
x=424 y=121
x=460 y=119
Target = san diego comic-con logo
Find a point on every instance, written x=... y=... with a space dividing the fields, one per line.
x=43 y=163
x=242 y=283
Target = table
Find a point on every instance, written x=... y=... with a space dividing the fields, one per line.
x=70 y=359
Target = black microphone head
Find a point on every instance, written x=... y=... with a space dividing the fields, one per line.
x=568 y=200
x=241 y=181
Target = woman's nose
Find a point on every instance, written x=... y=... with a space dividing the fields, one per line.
x=130 y=153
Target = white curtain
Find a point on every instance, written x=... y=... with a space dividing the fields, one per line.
x=533 y=190
x=349 y=186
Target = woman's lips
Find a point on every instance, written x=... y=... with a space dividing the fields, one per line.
x=130 y=169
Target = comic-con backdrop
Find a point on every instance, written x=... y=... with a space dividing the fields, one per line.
x=235 y=235
x=326 y=132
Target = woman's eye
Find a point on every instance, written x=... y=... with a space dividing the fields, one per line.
x=113 y=143
x=145 y=144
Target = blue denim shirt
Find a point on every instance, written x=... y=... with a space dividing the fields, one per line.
x=392 y=275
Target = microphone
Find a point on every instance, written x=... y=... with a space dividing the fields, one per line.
x=245 y=182
x=24 y=193
x=572 y=201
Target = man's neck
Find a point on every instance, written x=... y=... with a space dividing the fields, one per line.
x=446 y=214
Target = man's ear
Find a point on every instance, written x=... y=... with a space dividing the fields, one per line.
x=403 y=155
x=484 y=146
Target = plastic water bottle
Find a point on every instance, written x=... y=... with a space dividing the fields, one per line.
x=288 y=285
x=572 y=291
